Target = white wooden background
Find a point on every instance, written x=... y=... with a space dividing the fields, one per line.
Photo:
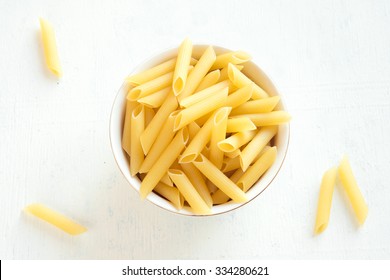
x=330 y=59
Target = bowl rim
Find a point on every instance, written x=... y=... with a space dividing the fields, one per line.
x=178 y=212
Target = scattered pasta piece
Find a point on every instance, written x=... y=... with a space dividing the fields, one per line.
x=351 y=188
x=50 y=47
x=325 y=200
x=55 y=218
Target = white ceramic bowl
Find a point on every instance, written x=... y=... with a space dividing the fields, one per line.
x=254 y=72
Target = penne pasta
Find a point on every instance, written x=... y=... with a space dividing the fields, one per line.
x=152 y=130
x=160 y=167
x=163 y=139
x=171 y=194
x=224 y=72
x=240 y=124
x=204 y=94
x=267 y=119
x=50 y=47
x=149 y=115
x=249 y=153
x=156 y=99
x=182 y=63
x=233 y=154
x=198 y=73
x=193 y=129
x=197 y=180
x=150 y=87
x=264 y=105
x=240 y=80
x=209 y=80
x=218 y=134
x=255 y=171
x=189 y=192
x=240 y=96
x=349 y=183
x=166 y=180
x=237 y=140
x=126 y=126
x=137 y=127
x=153 y=73
x=55 y=218
x=219 y=179
x=224 y=59
x=219 y=197
x=201 y=108
x=198 y=143
x=325 y=200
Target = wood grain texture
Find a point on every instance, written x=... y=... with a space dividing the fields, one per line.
x=330 y=59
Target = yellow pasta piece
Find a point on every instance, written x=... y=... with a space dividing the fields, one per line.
x=249 y=153
x=264 y=105
x=182 y=63
x=55 y=218
x=156 y=99
x=219 y=197
x=137 y=127
x=189 y=192
x=198 y=143
x=166 y=180
x=201 y=108
x=224 y=72
x=233 y=154
x=171 y=194
x=218 y=133
x=351 y=188
x=325 y=200
x=149 y=115
x=163 y=139
x=240 y=96
x=160 y=167
x=266 y=119
x=255 y=171
x=126 y=126
x=150 y=87
x=203 y=94
x=219 y=179
x=237 y=140
x=50 y=47
x=200 y=70
x=210 y=79
x=240 y=80
x=224 y=59
x=152 y=130
x=154 y=72
x=198 y=182
x=193 y=129
x=240 y=124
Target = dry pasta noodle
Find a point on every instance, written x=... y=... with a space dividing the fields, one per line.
x=325 y=200
x=171 y=194
x=50 y=47
x=349 y=183
x=182 y=63
x=210 y=79
x=199 y=137
x=240 y=80
x=137 y=127
x=154 y=72
x=237 y=57
x=55 y=218
x=265 y=105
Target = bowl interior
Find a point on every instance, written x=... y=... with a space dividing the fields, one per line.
x=117 y=118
